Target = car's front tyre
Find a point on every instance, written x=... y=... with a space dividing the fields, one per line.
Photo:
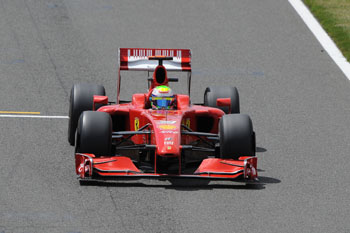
x=94 y=133
x=237 y=137
x=81 y=99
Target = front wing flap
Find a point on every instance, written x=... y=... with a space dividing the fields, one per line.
x=88 y=166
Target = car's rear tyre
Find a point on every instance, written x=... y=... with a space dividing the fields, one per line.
x=237 y=137
x=81 y=99
x=211 y=94
x=94 y=133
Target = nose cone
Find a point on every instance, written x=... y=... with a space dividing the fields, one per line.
x=168 y=144
x=167 y=132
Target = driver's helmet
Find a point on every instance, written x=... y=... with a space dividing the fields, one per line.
x=162 y=97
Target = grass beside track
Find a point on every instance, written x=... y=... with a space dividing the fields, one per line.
x=334 y=16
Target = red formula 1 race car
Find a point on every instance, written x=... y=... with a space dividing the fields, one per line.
x=160 y=134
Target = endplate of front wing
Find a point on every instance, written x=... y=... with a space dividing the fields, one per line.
x=121 y=167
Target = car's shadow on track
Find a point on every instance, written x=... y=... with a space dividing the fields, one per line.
x=260 y=149
x=187 y=184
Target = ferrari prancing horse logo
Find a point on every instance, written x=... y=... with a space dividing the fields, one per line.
x=137 y=123
x=188 y=122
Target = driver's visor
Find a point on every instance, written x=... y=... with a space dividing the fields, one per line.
x=162 y=102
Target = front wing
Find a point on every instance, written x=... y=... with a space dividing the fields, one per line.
x=120 y=167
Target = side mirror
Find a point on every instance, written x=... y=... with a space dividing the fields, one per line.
x=224 y=102
x=99 y=99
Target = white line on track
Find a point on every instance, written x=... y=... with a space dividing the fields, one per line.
x=321 y=36
x=35 y=116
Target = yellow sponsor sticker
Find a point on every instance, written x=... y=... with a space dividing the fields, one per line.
x=167 y=127
x=136 y=123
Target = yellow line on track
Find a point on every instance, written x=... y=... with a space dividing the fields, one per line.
x=14 y=112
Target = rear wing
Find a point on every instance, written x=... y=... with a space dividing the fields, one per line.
x=146 y=59
x=138 y=59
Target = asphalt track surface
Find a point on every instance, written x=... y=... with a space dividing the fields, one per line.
x=297 y=97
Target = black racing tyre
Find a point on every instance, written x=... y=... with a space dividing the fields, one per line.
x=211 y=94
x=237 y=137
x=81 y=99
x=94 y=133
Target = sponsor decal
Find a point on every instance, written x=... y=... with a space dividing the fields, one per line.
x=168 y=139
x=143 y=53
x=167 y=127
x=167 y=122
x=163 y=113
x=169 y=147
x=156 y=114
x=254 y=172
x=169 y=132
x=81 y=168
x=251 y=171
x=136 y=123
x=168 y=143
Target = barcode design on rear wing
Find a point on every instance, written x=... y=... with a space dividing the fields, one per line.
x=137 y=59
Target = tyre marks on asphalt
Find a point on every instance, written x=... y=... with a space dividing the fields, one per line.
x=46 y=49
